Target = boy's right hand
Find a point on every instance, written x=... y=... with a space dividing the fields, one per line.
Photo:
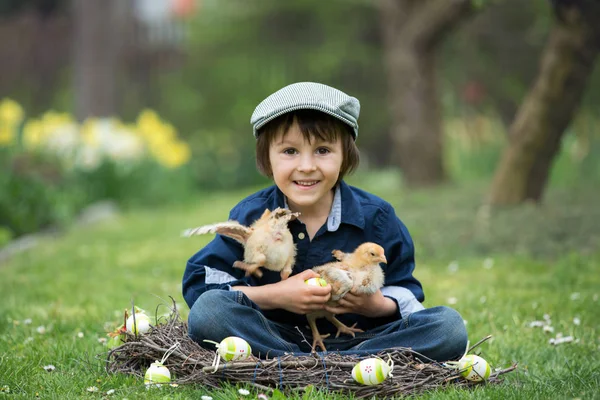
x=296 y=296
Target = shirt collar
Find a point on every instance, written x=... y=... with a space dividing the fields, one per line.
x=345 y=208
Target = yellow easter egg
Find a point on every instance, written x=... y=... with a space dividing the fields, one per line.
x=234 y=348
x=316 y=282
x=157 y=373
x=141 y=325
x=371 y=371
x=475 y=368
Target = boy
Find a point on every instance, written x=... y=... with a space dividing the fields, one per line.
x=306 y=136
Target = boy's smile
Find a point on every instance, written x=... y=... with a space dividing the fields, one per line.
x=305 y=172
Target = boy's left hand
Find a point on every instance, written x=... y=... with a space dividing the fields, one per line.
x=370 y=305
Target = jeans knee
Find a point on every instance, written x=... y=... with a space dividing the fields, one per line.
x=205 y=313
x=455 y=331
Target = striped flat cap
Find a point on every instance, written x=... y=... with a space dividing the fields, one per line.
x=307 y=95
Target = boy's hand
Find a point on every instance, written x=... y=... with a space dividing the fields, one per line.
x=369 y=305
x=291 y=294
x=296 y=296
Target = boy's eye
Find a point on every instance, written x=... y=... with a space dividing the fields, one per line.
x=289 y=151
x=322 y=150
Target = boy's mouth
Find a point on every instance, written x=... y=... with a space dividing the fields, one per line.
x=306 y=184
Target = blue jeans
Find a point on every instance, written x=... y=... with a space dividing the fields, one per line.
x=438 y=333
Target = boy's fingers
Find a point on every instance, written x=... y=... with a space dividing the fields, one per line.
x=307 y=274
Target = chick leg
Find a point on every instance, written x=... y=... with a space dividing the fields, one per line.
x=341 y=328
x=317 y=337
x=252 y=267
x=287 y=269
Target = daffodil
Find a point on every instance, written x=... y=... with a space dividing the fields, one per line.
x=11 y=113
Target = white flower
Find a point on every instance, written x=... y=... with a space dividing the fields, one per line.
x=109 y=392
x=173 y=385
x=560 y=340
x=41 y=329
x=206 y=398
x=575 y=296
x=548 y=328
x=536 y=324
x=49 y=367
x=80 y=335
x=482 y=299
x=262 y=396
x=102 y=340
x=27 y=340
x=465 y=321
x=576 y=321
x=453 y=267
x=27 y=321
x=244 y=392
x=5 y=389
x=488 y=263
x=451 y=300
x=92 y=389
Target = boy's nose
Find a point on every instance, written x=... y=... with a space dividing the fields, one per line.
x=307 y=163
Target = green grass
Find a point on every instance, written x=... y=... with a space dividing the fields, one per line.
x=539 y=261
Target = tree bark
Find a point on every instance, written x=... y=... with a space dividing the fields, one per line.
x=536 y=133
x=412 y=31
x=95 y=45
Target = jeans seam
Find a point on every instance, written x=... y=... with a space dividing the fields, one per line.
x=266 y=325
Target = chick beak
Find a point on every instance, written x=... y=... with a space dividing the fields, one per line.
x=383 y=259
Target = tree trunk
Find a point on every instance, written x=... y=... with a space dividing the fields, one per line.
x=412 y=31
x=536 y=133
x=95 y=43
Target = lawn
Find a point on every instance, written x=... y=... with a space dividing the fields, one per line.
x=500 y=270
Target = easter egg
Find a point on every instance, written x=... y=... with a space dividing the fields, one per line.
x=475 y=368
x=371 y=371
x=316 y=282
x=157 y=373
x=141 y=326
x=234 y=348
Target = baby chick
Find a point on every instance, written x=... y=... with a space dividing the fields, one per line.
x=358 y=271
x=267 y=242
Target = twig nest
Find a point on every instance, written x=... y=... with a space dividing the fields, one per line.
x=157 y=373
x=316 y=282
x=234 y=348
x=476 y=369
x=372 y=371
x=140 y=326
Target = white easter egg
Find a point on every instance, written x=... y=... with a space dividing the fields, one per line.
x=475 y=368
x=316 y=282
x=157 y=373
x=141 y=326
x=234 y=348
x=371 y=371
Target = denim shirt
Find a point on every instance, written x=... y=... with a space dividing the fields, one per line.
x=355 y=217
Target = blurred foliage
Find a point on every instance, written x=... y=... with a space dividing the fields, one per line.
x=474 y=146
x=53 y=167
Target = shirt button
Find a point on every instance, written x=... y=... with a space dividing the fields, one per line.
x=301 y=235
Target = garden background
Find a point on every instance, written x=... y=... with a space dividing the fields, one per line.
x=124 y=122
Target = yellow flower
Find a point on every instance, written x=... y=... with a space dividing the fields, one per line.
x=7 y=136
x=174 y=155
x=88 y=132
x=33 y=133
x=11 y=112
x=148 y=122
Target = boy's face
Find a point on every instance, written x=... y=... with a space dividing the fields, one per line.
x=305 y=172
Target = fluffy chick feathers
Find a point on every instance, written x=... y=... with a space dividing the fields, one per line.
x=358 y=271
x=267 y=242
